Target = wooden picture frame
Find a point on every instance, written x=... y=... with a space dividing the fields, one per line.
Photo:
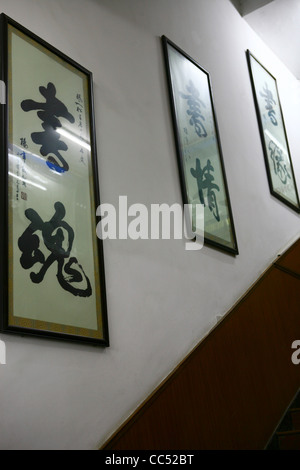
x=273 y=134
x=52 y=267
x=199 y=154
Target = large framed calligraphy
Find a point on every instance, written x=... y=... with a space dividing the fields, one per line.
x=273 y=134
x=199 y=155
x=52 y=270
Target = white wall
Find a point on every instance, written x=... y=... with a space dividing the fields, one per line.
x=162 y=299
x=283 y=20
x=247 y=6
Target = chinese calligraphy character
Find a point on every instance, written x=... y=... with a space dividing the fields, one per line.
x=58 y=237
x=277 y=158
x=23 y=143
x=195 y=103
x=23 y=155
x=270 y=101
x=79 y=108
x=18 y=181
x=49 y=112
x=205 y=181
x=187 y=152
x=23 y=177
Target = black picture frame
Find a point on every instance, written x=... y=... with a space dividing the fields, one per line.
x=198 y=147
x=52 y=266
x=276 y=151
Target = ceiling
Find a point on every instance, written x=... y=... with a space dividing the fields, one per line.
x=277 y=22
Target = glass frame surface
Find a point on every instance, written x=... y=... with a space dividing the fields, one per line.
x=198 y=148
x=52 y=267
x=273 y=134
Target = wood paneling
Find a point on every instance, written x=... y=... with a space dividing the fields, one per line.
x=291 y=259
x=232 y=390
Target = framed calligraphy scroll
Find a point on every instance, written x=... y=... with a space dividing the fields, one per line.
x=52 y=271
x=199 y=155
x=273 y=134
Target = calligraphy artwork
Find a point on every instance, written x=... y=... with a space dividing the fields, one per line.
x=49 y=112
x=279 y=164
x=54 y=268
x=195 y=104
x=53 y=234
x=199 y=155
x=204 y=177
x=273 y=134
x=270 y=103
x=205 y=181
